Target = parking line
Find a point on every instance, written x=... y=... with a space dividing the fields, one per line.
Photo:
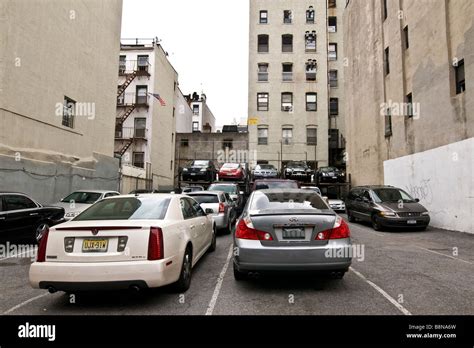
x=451 y=257
x=217 y=290
x=25 y=303
x=384 y=294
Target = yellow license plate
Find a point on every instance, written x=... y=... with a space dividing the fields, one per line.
x=95 y=245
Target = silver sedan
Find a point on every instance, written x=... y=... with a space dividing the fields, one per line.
x=290 y=230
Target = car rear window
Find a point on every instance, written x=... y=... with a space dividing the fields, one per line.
x=205 y=198
x=264 y=185
x=200 y=163
x=231 y=165
x=290 y=200
x=224 y=188
x=130 y=208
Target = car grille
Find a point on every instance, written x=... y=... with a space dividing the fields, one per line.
x=411 y=214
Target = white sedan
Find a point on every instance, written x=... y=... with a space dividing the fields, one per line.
x=133 y=241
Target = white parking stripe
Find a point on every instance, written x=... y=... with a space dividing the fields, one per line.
x=384 y=294
x=217 y=290
x=25 y=303
x=451 y=257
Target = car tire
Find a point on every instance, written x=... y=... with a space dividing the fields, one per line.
x=213 y=246
x=39 y=231
x=184 y=281
x=239 y=276
x=375 y=225
x=350 y=217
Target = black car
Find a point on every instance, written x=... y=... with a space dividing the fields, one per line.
x=330 y=174
x=200 y=170
x=297 y=170
x=21 y=217
x=386 y=207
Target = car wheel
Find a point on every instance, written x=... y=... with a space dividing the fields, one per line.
x=350 y=217
x=212 y=248
x=40 y=230
x=375 y=224
x=239 y=275
x=184 y=280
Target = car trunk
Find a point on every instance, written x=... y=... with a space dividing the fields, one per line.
x=298 y=228
x=98 y=241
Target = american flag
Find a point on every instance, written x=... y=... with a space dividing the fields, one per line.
x=157 y=96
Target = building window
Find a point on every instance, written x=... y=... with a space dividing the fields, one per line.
x=287 y=135
x=263 y=136
x=331 y=3
x=287 y=43
x=311 y=136
x=333 y=138
x=142 y=63
x=287 y=70
x=287 y=101
x=385 y=9
x=263 y=44
x=140 y=127
x=227 y=144
x=263 y=72
x=262 y=101
x=406 y=42
x=287 y=17
x=333 y=78
x=184 y=142
x=333 y=106
x=388 y=123
x=386 y=61
x=310 y=15
x=409 y=105
x=263 y=17
x=311 y=102
x=310 y=41
x=195 y=109
x=195 y=126
x=139 y=159
x=332 y=24
x=69 y=108
x=141 y=97
x=332 y=51
x=311 y=69
x=460 y=77
x=122 y=64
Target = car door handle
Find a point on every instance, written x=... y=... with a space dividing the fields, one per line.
x=33 y=214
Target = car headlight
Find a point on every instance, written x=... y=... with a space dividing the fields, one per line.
x=185 y=169
x=289 y=170
x=325 y=174
x=425 y=213
x=203 y=170
x=387 y=214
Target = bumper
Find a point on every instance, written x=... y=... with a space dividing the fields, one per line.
x=421 y=222
x=253 y=256
x=220 y=220
x=265 y=176
x=230 y=177
x=298 y=176
x=195 y=176
x=103 y=275
x=339 y=208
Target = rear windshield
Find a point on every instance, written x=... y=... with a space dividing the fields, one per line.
x=133 y=208
x=200 y=163
x=265 y=167
x=225 y=188
x=263 y=185
x=82 y=197
x=296 y=200
x=231 y=165
x=205 y=198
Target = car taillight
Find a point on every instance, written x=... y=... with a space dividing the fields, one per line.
x=340 y=230
x=42 y=247
x=155 y=244
x=245 y=230
x=221 y=207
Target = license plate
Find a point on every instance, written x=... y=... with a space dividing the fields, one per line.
x=192 y=174
x=95 y=245
x=331 y=174
x=294 y=233
x=411 y=222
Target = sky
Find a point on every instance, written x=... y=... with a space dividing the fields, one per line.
x=207 y=42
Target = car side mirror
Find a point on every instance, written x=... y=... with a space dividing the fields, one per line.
x=235 y=199
x=241 y=193
x=209 y=211
x=417 y=200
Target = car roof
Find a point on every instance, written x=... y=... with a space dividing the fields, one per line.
x=12 y=193
x=274 y=180
x=201 y=193
x=371 y=187
x=147 y=195
x=285 y=190
x=95 y=191
x=224 y=183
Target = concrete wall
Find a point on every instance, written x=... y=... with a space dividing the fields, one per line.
x=49 y=50
x=443 y=179
x=183 y=114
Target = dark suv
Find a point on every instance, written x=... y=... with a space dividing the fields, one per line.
x=386 y=207
x=330 y=174
x=297 y=170
x=200 y=170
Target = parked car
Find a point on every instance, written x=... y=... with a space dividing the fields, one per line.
x=123 y=242
x=263 y=184
x=142 y=191
x=78 y=201
x=386 y=207
x=232 y=171
x=312 y=188
x=192 y=188
x=290 y=230
x=337 y=205
x=203 y=170
x=233 y=190
x=223 y=209
x=23 y=217
x=264 y=171
x=330 y=174
x=297 y=170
